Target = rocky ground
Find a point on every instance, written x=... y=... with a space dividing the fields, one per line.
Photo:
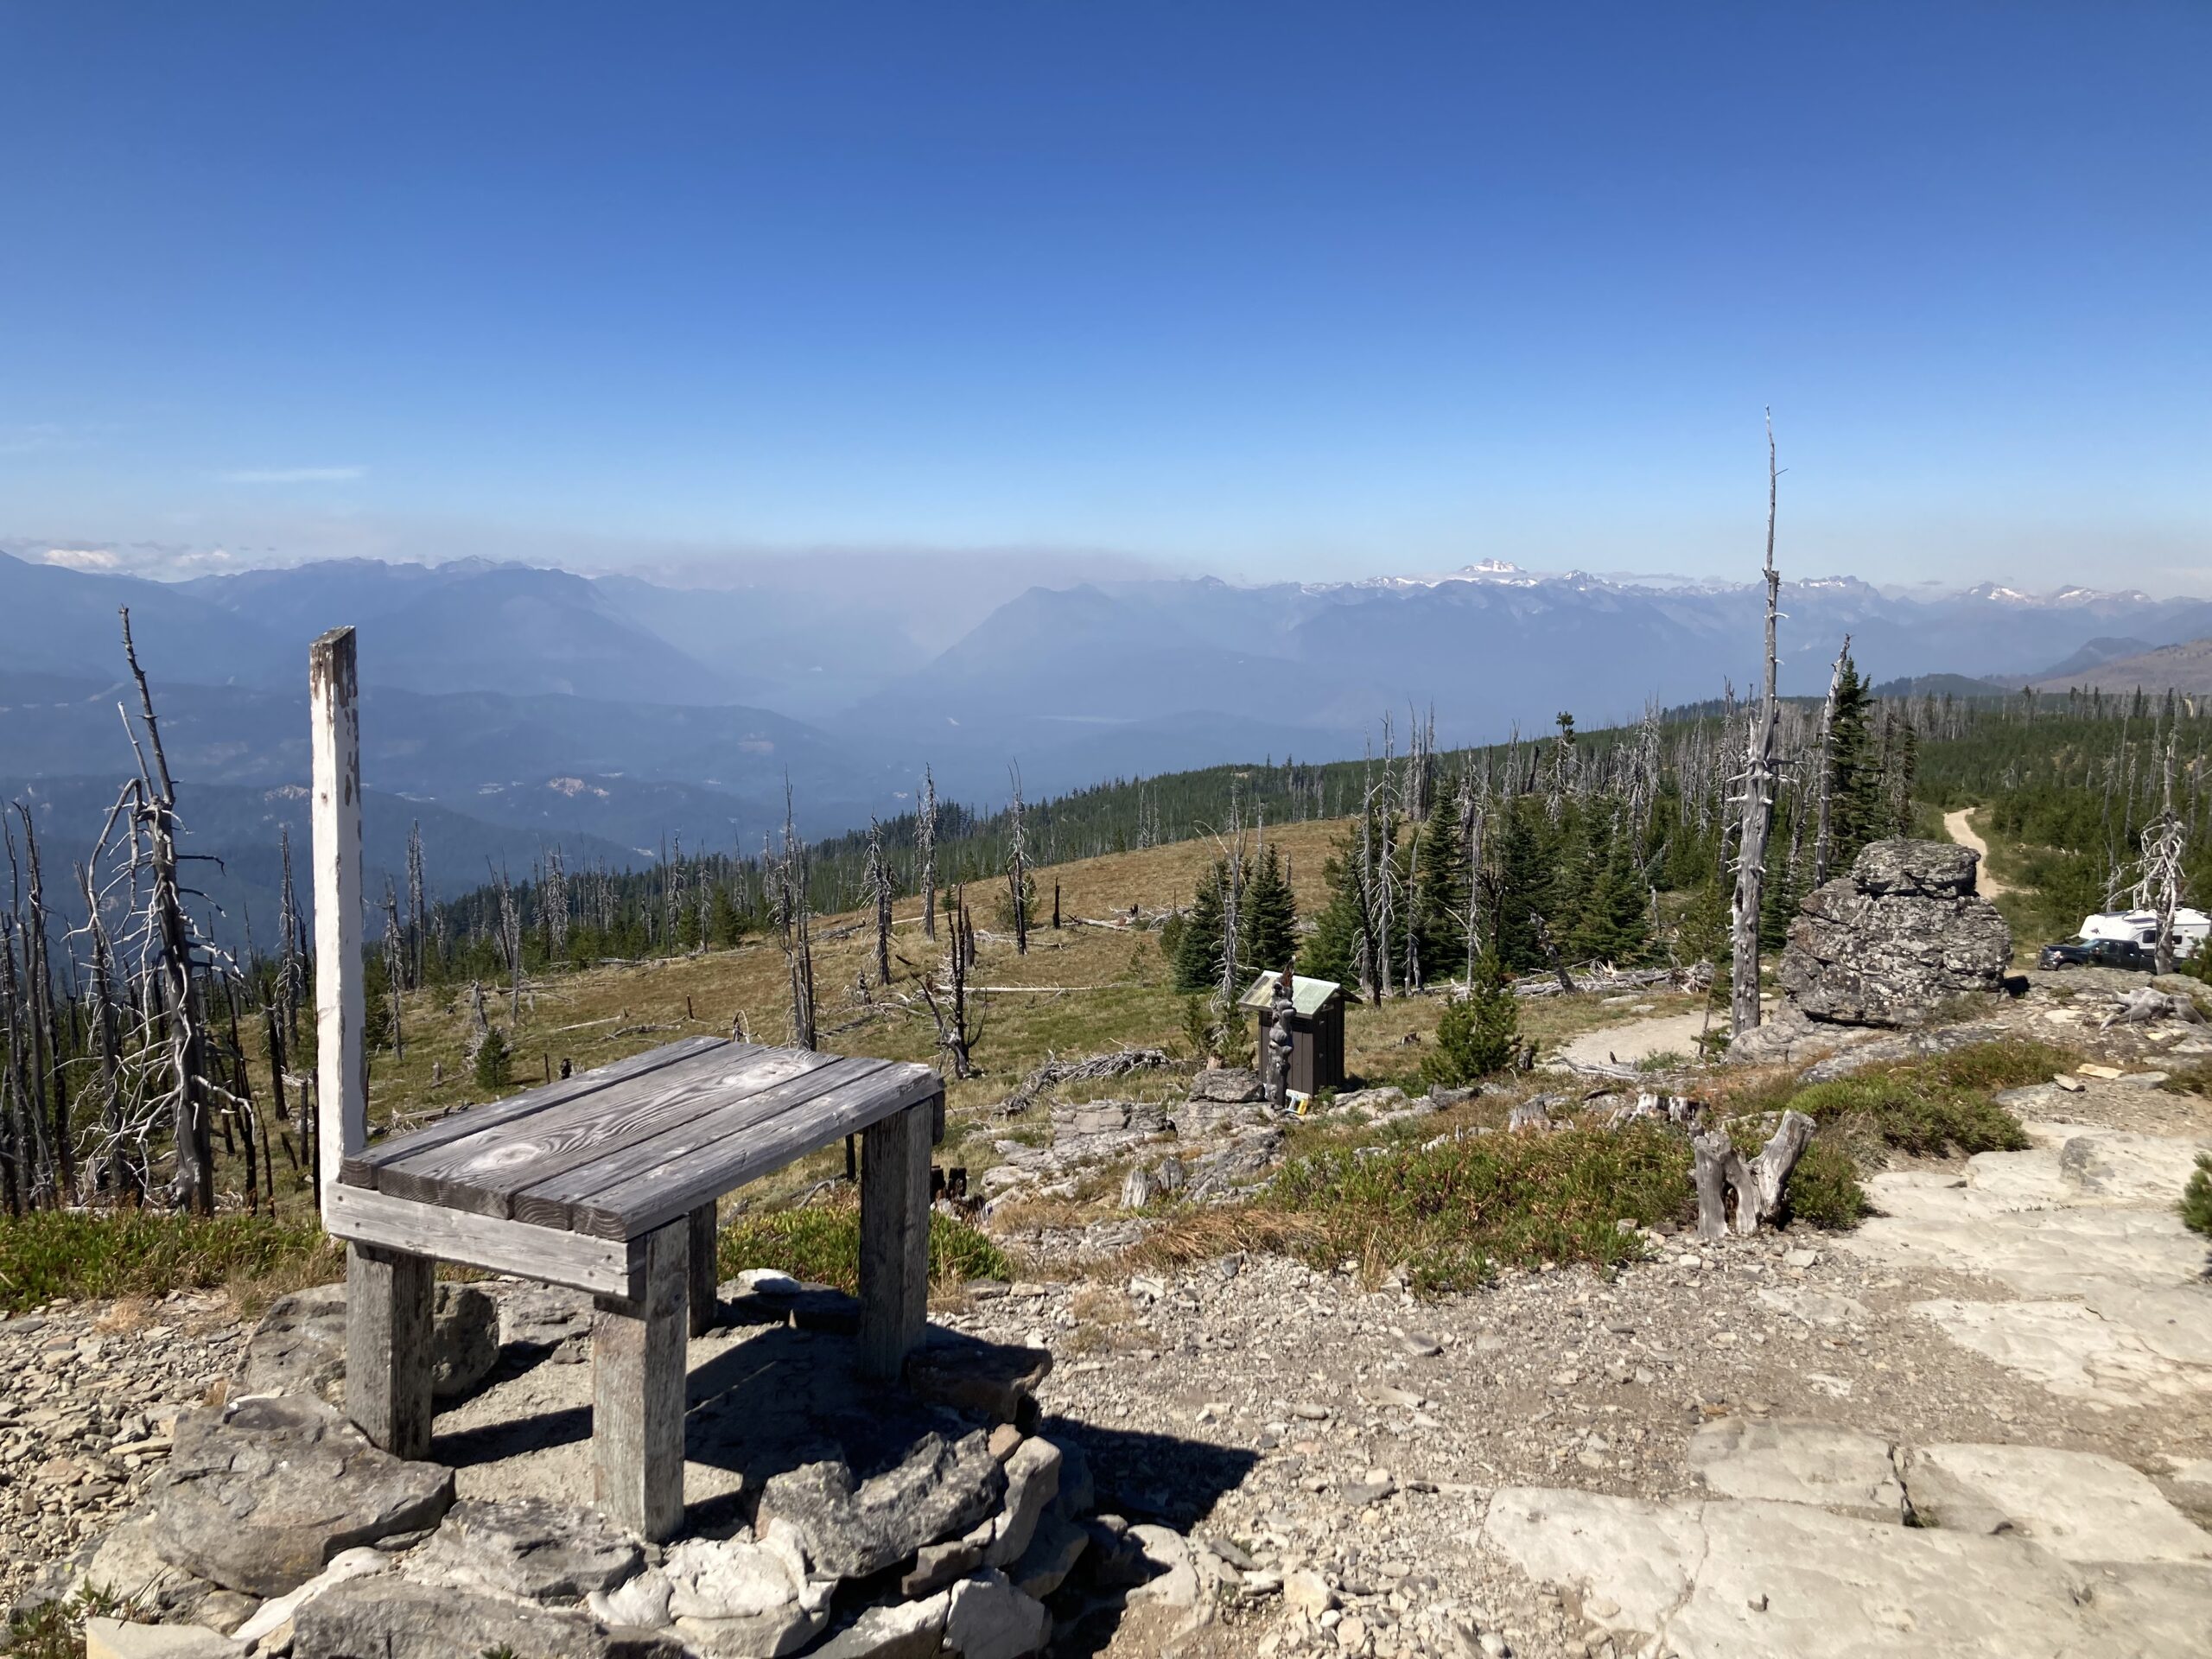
x=1713 y=1451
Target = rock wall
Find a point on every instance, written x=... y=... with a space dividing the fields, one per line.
x=1890 y=943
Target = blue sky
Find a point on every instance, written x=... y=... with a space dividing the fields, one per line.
x=1264 y=291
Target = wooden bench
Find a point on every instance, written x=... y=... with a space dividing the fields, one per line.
x=606 y=1182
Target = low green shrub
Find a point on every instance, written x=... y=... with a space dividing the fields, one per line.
x=820 y=1244
x=97 y=1253
x=1453 y=1213
x=55 y=1629
x=1912 y=1115
x=1939 y=1104
x=1824 y=1189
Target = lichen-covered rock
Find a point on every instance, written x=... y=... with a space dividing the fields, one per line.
x=850 y=1531
x=299 y=1347
x=988 y=1618
x=393 y=1618
x=260 y=1495
x=993 y=1378
x=527 y=1546
x=1229 y=1084
x=1890 y=943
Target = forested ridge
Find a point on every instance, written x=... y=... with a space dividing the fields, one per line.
x=1550 y=851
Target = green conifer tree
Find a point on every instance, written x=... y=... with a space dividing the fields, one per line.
x=1332 y=949
x=1854 y=776
x=1614 y=924
x=492 y=1062
x=1475 y=1034
x=1440 y=917
x=1197 y=953
x=1267 y=916
x=1520 y=888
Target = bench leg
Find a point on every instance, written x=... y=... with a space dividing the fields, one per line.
x=703 y=1242
x=637 y=1358
x=388 y=1348
x=894 y=1240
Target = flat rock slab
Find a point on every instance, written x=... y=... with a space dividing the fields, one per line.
x=853 y=1528
x=527 y=1546
x=997 y=1380
x=393 y=1618
x=2076 y=1505
x=545 y=1318
x=2113 y=1308
x=1725 y=1579
x=130 y=1565
x=1792 y=1462
x=299 y=1347
x=111 y=1638
x=2068 y=1349
x=259 y=1496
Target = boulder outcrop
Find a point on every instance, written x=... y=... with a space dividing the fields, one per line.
x=1894 y=940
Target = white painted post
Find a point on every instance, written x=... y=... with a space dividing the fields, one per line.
x=334 y=738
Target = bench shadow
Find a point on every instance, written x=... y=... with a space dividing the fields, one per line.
x=787 y=1395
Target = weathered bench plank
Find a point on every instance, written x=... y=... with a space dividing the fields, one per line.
x=364 y=1168
x=681 y=1170
x=555 y=1201
x=487 y=1172
x=604 y=1267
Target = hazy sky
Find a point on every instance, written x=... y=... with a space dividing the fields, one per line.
x=1265 y=290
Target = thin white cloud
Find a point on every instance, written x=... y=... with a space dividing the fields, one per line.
x=163 y=561
x=294 y=476
x=83 y=558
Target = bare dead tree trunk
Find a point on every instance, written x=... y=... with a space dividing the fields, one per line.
x=128 y=1185
x=957 y=1029
x=50 y=1092
x=1826 y=751
x=291 y=973
x=156 y=815
x=2165 y=844
x=417 y=907
x=1758 y=815
x=925 y=843
x=796 y=917
x=395 y=968
x=876 y=883
x=1017 y=868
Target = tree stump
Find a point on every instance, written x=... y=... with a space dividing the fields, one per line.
x=1758 y=1182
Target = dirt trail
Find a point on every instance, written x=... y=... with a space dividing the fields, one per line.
x=1636 y=1040
x=1956 y=826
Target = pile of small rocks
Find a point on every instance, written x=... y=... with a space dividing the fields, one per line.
x=936 y=1519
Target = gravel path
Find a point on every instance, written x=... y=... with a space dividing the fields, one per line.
x=1639 y=1040
x=1956 y=825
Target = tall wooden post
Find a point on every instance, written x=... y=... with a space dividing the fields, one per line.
x=387 y=1292
x=335 y=739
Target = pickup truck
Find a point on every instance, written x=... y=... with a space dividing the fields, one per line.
x=2096 y=953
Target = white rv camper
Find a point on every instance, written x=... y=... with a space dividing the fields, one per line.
x=2141 y=927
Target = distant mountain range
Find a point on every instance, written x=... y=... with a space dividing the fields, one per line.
x=2186 y=668
x=611 y=713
